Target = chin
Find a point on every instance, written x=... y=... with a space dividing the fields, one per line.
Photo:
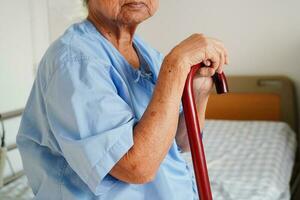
x=133 y=21
x=132 y=18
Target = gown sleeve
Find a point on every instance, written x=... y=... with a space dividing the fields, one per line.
x=92 y=124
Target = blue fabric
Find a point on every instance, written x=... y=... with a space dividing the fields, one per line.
x=79 y=122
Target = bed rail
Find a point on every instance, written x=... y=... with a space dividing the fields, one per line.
x=11 y=114
x=7 y=148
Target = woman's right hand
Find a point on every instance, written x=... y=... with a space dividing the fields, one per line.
x=197 y=49
x=194 y=50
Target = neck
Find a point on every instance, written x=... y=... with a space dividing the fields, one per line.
x=121 y=36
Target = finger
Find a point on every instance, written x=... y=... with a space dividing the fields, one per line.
x=226 y=56
x=226 y=59
x=206 y=71
x=220 y=45
x=207 y=63
x=214 y=57
x=222 y=60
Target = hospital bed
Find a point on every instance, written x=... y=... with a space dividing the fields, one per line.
x=250 y=141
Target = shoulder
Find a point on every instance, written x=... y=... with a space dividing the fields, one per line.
x=75 y=52
x=76 y=44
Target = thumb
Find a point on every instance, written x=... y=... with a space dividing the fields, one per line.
x=207 y=63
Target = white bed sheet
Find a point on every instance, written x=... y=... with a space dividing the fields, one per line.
x=249 y=160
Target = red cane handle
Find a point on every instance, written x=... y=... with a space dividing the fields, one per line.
x=220 y=83
x=194 y=131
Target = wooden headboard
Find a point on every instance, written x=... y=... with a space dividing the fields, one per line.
x=270 y=98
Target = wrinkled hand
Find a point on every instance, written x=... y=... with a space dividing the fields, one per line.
x=201 y=49
x=197 y=49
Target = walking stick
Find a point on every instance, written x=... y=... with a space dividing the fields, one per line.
x=194 y=131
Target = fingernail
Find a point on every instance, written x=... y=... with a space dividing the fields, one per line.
x=207 y=63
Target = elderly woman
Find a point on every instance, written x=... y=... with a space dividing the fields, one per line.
x=103 y=120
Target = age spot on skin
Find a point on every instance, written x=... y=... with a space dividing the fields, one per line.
x=153 y=113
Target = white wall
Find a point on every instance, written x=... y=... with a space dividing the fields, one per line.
x=63 y=13
x=16 y=63
x=16 y=56
x=262 y=36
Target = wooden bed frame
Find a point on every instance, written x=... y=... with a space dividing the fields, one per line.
x=268 y=98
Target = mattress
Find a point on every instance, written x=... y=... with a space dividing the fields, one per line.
x=246 y=161
x=249 y=160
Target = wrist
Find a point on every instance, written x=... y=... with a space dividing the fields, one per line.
x=173 y=72
x=176 y=61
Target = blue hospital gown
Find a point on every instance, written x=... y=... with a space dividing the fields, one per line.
x=79 y=119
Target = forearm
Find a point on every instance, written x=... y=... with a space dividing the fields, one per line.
x=156 y=130
x=181 y=134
